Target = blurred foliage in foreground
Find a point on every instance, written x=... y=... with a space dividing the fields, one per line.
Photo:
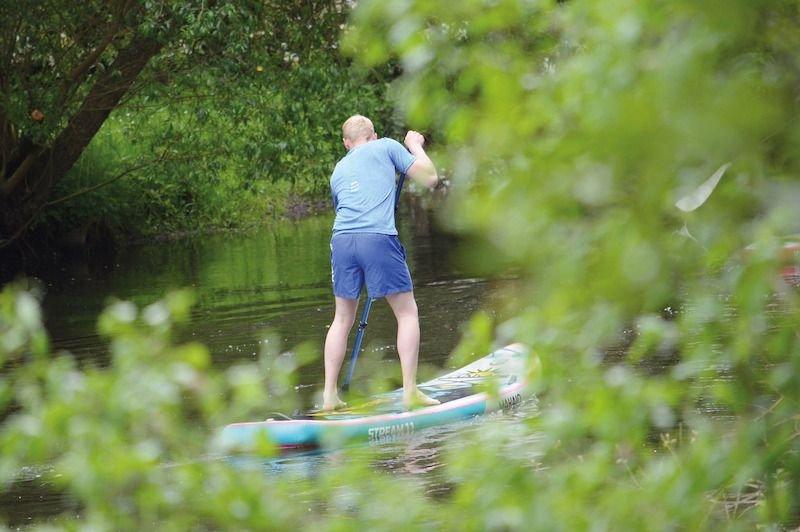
x=672 y=362
x=572 y=128
x=132 y=443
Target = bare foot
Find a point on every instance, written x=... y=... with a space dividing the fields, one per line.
x=332 y=403
x=418 y=399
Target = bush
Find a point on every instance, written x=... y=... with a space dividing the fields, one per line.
x=571 y=129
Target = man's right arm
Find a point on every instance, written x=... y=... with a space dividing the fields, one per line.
x=422 y=170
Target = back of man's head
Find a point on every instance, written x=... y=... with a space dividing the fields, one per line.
x=357 y=127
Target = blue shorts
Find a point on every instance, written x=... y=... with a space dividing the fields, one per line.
x=377 y=259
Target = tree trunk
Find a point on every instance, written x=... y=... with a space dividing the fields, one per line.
x=22 y=200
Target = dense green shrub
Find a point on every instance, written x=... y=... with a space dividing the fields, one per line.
x=572 y=128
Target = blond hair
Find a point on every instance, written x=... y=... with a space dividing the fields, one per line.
x=357 y=127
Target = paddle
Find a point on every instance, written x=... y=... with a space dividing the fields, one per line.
x=698 y=196
x=695 y=199
x=362 y=323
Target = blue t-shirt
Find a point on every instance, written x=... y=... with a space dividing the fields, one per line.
x=363 y=187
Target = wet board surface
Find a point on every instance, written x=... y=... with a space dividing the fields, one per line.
x=462 y=394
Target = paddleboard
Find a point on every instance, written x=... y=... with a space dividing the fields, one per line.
x=497 y=381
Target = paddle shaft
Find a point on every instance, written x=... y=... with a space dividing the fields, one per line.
x=363 y=322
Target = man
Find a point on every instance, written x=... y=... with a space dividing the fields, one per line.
x=365 y=247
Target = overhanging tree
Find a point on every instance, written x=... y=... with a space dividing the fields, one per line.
x=65 y=67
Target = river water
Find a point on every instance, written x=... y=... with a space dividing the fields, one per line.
x=276 y=278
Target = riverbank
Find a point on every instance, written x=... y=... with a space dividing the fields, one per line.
x=103 y=238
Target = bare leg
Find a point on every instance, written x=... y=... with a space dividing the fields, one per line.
x=405 y=310
x=335 y=347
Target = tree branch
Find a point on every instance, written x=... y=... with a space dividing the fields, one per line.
x=19 y=174
x=158 y=160
x=7 y=143
x=104 y=96
x=4 y=243
x=108 y=182
x=77 y=74
x=8 y=52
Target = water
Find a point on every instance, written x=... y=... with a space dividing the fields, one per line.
x=275 y=278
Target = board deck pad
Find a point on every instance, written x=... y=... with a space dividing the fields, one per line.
x=500 y=368
x=496 y=381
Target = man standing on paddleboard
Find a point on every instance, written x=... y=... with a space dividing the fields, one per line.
x=365 y=248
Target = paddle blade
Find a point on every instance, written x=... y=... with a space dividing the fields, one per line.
x=694 y=200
